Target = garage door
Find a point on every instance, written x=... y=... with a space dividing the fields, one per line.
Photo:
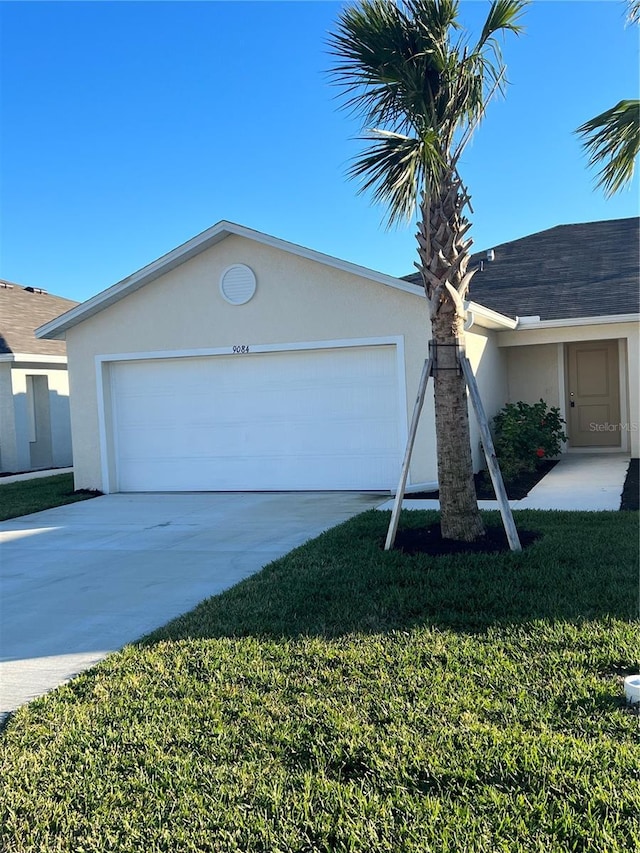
x=312 y=419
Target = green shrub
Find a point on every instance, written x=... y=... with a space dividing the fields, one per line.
x=526 y=434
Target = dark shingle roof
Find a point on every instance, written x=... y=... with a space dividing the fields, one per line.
x=22 y=310
x=585 y=270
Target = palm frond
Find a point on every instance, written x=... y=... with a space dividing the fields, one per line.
x=435 y=16
x=395 y=168
x=388 y=68
x=613 y=139
x=369 y=41
x=633 y=14
x=503 y=15
x=475 y=116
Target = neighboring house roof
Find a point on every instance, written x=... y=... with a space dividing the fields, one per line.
x=570 y=271
x=194 y=247
x=22 y=310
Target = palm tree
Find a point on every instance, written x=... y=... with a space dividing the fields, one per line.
x=420 y=90
x=612 y=139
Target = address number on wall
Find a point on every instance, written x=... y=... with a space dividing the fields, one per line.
x=241 y=348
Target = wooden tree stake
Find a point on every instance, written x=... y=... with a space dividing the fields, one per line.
x=490 y=455
x=487 y=446
x=397 y=505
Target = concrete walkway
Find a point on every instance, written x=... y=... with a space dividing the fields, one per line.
x=34 y=475
x=580 y=481
x=82 y=580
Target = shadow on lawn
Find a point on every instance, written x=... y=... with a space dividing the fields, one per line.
x=583 y=566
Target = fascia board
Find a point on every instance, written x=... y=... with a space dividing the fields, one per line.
x=32 y=358
x=55 y=329
x=489 y=319
x=529 y=325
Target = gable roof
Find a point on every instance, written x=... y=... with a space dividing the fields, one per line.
x=571 y=271
x=22 y=311
x=190 y=249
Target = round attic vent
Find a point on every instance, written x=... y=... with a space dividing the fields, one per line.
x=238 y=284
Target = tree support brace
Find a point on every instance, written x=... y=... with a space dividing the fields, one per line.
x=443 y=359
x=464 y=365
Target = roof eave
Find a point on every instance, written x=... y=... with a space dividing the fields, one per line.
x=487 y=318
x=525 y=324
x=32 y=358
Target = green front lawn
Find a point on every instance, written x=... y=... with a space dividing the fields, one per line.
x=348 y=699
x=40 y=493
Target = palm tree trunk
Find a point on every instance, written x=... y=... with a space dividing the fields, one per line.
x=444 y=257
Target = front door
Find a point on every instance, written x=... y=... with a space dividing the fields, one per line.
x=594 y=394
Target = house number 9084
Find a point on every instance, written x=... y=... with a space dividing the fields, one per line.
x=243 y=348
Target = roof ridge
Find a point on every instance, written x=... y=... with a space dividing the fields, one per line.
x=561 y=226
x=5 y=285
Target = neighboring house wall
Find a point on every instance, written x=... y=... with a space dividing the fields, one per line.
x=43 y=428
x=8 y=446
x=35 y=429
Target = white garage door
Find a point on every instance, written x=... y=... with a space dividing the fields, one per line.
x=312 y=419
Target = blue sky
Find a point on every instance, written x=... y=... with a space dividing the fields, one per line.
x=129 y=128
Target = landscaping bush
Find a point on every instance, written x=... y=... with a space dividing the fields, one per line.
x=525 y=434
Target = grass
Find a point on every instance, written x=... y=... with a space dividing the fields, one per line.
x=26 y=496
x=348 y=700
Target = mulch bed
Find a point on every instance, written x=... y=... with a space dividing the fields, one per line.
x=516 y=489
x=428 y=540
x=631 y=491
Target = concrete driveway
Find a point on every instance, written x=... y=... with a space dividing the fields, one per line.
x=80 y=581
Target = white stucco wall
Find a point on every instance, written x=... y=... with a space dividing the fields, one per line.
x=633 y=356
x=490 y=368
x=533 y=374
x=297 y=300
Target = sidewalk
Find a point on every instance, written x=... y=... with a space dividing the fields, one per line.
x=34 y=475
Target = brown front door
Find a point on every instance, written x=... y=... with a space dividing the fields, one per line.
x=594 y=397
